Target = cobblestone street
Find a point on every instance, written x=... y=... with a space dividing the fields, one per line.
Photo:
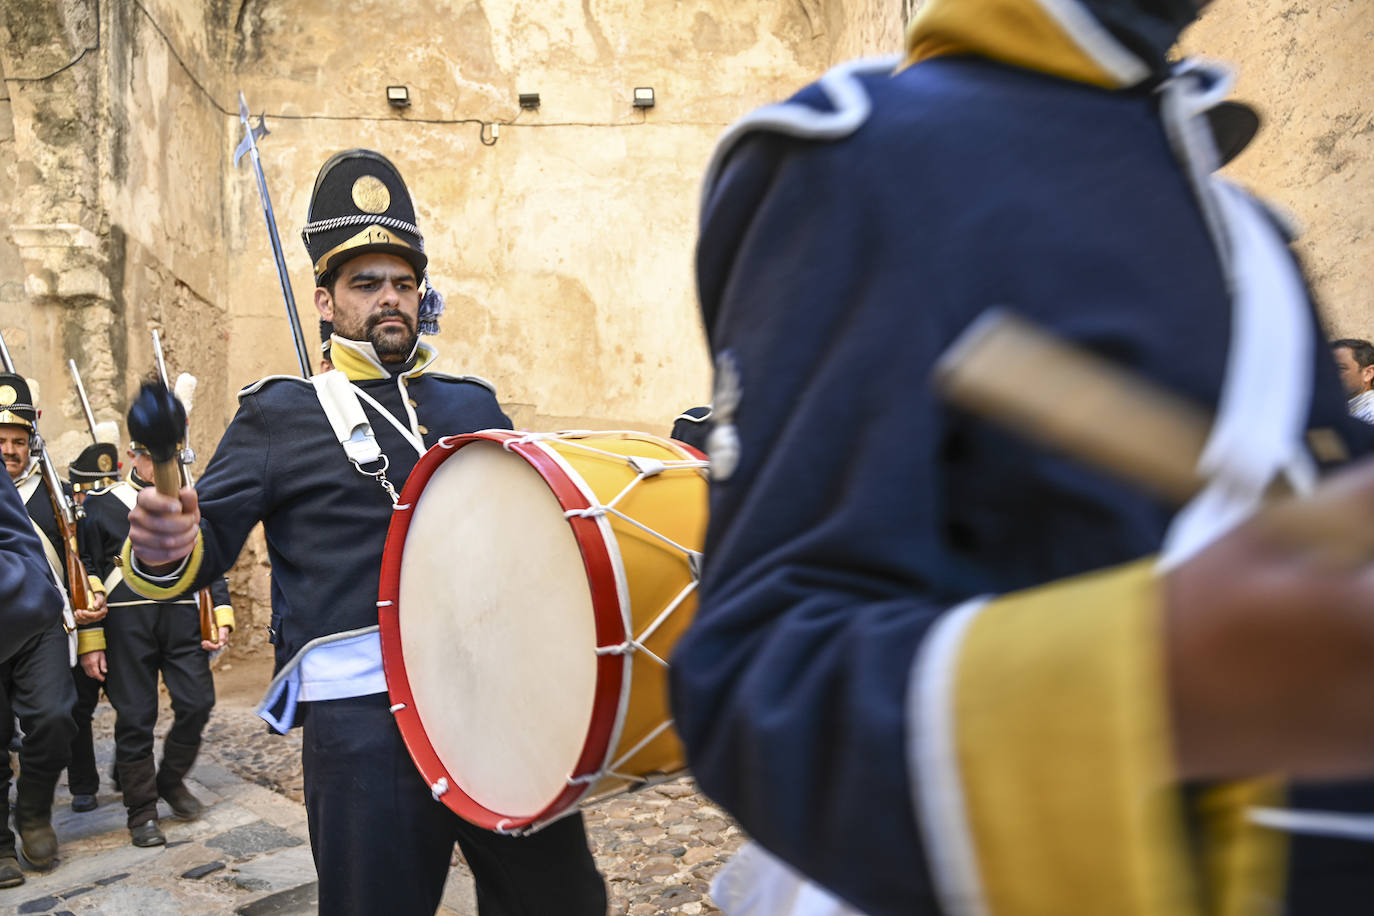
x=658 y=848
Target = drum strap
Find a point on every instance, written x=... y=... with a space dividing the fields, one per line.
x=339 y=400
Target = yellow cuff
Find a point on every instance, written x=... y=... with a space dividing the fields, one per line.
x=97 y=586
x=224 y=616
x=1063 y=747
x=1245 y=864
x=90 y=639
x=153 y=590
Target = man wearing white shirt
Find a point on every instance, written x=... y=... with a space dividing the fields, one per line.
x=1355 y=360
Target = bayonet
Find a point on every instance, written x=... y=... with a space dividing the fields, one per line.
x=85 y=403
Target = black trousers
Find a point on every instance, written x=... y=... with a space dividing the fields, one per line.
x=382 y=844
x=36 y=685
x=140 y=641
x=82 y=777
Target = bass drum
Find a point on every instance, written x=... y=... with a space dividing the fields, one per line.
x=533 y=586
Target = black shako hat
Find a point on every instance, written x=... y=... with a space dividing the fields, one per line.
x=360 y=204
x=16 y=403
x=97 y=464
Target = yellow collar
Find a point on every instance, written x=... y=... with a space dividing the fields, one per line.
x=1058 y=37
x=359 y=361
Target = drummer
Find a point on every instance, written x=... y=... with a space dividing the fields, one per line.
x=381 y=841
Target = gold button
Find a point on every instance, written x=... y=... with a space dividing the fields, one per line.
x=424 y=430
x=412 y=402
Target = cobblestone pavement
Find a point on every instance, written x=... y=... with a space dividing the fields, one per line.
x=658 y=848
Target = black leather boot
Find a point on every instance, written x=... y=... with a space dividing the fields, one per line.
x=177 y=759
x=33 y=818
x=10 y=875
x=139 y=780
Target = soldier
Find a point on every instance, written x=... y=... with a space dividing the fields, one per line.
x=139 y=639
x=692 y=425
x=95 y=468
x=939 y=668
x=36 y=682
x=381 y=841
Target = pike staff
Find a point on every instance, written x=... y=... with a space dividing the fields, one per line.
x=249 y=145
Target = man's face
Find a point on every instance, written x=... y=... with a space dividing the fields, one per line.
x=14 y=448
x=376 y=298
x=143 y=465
x=1353 y=378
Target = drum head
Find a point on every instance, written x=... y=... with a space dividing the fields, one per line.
x=504 y=698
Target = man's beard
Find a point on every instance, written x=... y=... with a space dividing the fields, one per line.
x=391 y=344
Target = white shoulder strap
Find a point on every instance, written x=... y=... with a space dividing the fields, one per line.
x=346 y=417
x=55 y=568
x=28 y=485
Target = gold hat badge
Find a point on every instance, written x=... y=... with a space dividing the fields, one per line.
x=371 y=195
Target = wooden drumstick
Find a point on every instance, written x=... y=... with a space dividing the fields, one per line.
x=1008 y=370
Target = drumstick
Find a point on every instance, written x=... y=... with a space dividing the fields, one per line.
x=1007 y=370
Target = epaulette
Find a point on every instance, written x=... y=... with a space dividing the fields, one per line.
x=103 y=489
x=832 y=109
x=476 y=379
x=692 y=417
x=257 y=386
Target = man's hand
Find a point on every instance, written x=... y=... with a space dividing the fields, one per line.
x=93 y=663
x=95 y=614
x=163 y=530
x=1269 y=641
x=216 y=646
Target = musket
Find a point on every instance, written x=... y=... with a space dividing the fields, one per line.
x=66 y=511
x=85 y=403
x=249 y=145
x=205 y=605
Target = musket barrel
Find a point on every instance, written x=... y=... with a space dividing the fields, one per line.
x=5 y=357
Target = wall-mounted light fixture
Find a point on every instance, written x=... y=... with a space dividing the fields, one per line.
x=398 y=96
x=529 y=100
x=644 y=97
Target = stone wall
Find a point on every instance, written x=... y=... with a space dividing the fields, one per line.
x=1307 y=67
x=562 y=237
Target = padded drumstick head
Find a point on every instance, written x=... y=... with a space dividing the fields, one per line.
x=157 y=420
